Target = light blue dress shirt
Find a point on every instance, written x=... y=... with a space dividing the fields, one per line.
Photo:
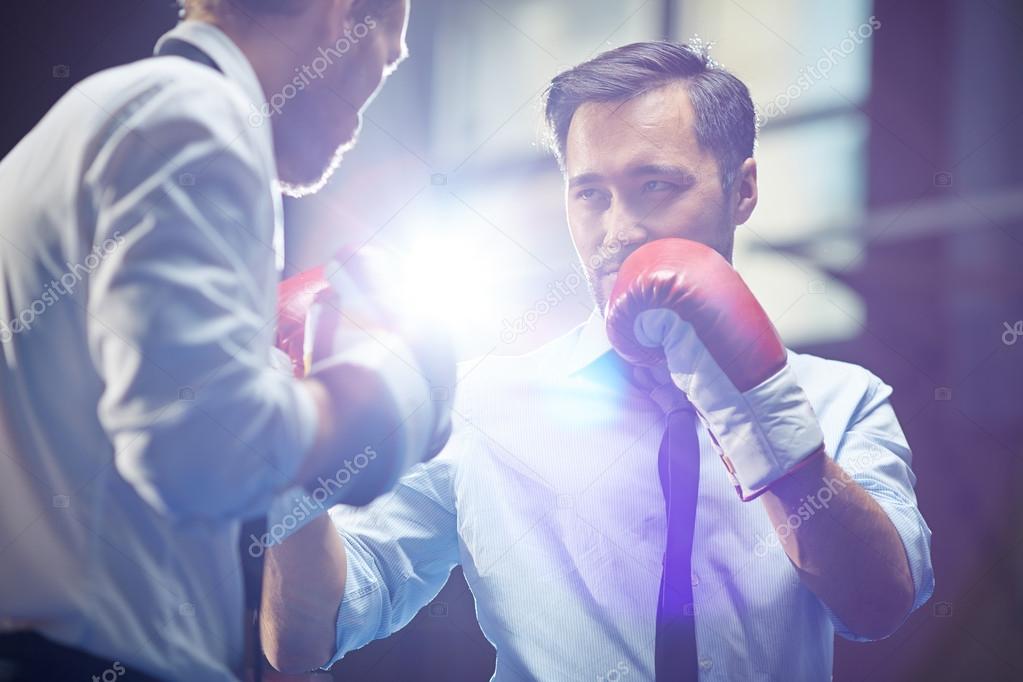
x=548 y=497
x=140 y=418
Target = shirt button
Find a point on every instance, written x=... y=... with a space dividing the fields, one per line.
x=695 y=579
x=706 y=664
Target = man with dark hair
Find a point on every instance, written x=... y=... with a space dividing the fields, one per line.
x=592 y=503
x=142 y=416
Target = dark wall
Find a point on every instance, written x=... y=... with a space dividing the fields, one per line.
x=942 y=277
x=48 y=45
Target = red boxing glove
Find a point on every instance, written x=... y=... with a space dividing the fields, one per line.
x=295 y=296
x=681 y=302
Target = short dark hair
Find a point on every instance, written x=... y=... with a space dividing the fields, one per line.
x=244 y=6
x=725 y=117
x=251 y=7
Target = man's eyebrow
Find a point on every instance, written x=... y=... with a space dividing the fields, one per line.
x=584 y=179
x=658 y=169
x=634 y=172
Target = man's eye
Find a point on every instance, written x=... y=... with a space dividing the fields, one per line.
x=588 y=194
x=658 y=186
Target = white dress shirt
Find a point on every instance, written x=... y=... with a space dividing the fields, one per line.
x=139 y=416
x=548 y=497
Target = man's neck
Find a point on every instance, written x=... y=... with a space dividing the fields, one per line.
x=270 y=59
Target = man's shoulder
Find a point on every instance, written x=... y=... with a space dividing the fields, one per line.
x=165 y=73
x=824 y=368
x=825 y=372
x=162 y=93
x=834 y=386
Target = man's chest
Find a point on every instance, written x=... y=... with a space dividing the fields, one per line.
x=569 y=477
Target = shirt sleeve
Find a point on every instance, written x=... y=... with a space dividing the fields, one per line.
x=401 y=549
x=180 y=309
x=875 y=453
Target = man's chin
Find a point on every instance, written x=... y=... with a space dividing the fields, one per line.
x=297 y=188
x=305 y=177
x=600 y=290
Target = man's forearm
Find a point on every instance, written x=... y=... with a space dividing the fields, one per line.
x=303 y=583
x=843 y=545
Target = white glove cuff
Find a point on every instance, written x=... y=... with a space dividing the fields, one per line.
x=763 y=433
x=767 y=432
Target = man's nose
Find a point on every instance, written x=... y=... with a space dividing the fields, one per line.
x=624 y=229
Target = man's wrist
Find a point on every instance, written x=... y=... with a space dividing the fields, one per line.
x=806 y=477
x=761 y=434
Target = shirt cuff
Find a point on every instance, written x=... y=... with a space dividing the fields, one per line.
x=915 y=537
x=363 y=607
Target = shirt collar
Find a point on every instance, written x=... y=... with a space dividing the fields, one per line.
x=221 y=49
x=593 y=354
x=236 y=68
x=591 y=344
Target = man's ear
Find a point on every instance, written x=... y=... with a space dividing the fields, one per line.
x=349 y=9
x=744 y=191
x=339 y=14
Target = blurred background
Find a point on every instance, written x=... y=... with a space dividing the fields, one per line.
x=889 y=233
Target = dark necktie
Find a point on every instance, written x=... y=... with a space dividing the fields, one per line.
x=678 y=463
x=678 y=466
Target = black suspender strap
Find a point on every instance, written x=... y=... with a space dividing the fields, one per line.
x=175 y=47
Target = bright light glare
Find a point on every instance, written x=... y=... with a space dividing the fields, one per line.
x=453 y=283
